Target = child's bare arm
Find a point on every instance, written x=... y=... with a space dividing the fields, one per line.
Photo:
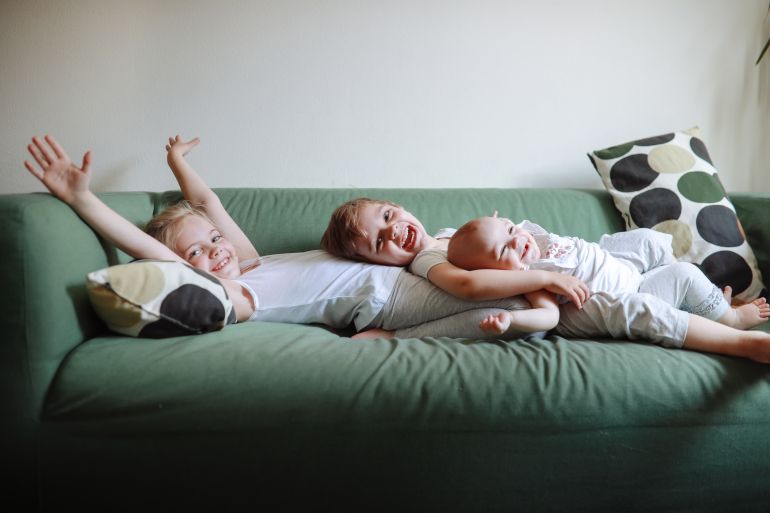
x=485 y=284
x=70 y=184
x=543 y=316
x=197 y=192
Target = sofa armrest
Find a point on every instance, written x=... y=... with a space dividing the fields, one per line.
x=44 y=309
x=46 y=248
x=44 y=306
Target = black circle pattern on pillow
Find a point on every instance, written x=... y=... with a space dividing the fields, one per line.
x=718 y=225
x=194 y=310
x=699 y=148
x=727 y=268
x=632 y=173
x=654 y=206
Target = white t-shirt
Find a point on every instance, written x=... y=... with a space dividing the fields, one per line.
x=588 y=261
x=316 y=287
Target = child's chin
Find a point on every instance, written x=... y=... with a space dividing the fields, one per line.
x=231 y=274
x=227 y=273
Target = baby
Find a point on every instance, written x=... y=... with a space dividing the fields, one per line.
x=637 y=288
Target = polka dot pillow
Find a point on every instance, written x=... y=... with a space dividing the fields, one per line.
x=156 y=299
x=669 y=184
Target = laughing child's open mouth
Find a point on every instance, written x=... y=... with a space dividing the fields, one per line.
x=409 y=239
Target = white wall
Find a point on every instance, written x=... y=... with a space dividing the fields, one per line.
x=355 y=93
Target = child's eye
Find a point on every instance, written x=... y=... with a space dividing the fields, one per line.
x=194 y=253
x=378 y=244
x=386 y=215
x=510 y=230
x=216 y=238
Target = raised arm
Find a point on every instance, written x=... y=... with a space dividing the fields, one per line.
x=483 y=284
x=70 y=184
x=199 y=194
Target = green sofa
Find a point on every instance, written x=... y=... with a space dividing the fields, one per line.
x=280 y=417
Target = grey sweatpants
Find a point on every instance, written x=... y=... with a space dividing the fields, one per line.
x=417 y=308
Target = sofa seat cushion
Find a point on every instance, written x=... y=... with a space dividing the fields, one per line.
x=259 y=376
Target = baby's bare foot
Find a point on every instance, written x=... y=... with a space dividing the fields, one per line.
x=749 y=315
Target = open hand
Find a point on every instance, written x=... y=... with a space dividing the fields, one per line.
x=176 y=147
x=570 y=287
x=496 y=324
x=56 y=171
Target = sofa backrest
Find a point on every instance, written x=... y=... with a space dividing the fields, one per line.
x=289 y=220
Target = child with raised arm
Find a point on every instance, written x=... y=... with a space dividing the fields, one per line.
x=302 y=288
x=192 y=237
x=638 y=290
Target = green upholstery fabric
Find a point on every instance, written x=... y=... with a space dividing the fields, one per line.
x=282 y=417
x=309 y=377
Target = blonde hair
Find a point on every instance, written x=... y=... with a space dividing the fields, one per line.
x=165 y=225
x=344 y=227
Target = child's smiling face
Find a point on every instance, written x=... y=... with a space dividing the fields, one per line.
x=390 y=235
x=493 y=243
x=202 y=246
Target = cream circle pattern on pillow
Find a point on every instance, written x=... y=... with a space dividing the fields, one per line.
x=668 y=183
x=156 y=299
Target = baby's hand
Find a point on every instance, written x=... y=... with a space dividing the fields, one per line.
x=570 y=287
x=496 y=324
x=57 y=172
x=176 y=147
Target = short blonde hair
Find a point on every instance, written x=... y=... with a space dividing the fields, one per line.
x=344 y=227
x=165 y=225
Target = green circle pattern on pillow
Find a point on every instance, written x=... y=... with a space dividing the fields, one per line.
x=701 y=187
x=668 y=183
